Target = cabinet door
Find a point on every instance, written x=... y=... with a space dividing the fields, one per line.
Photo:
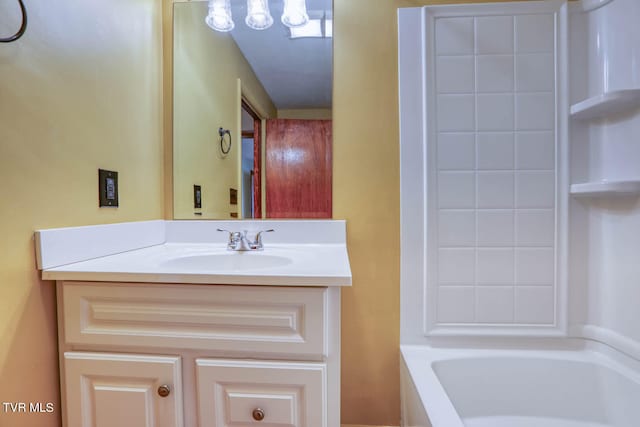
x=106 y=390
x=234 y=393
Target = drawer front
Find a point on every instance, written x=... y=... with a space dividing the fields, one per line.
x=275 y=394
x=246 y=320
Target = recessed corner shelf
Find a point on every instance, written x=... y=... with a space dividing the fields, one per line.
x=606 y=104
x=606 y=188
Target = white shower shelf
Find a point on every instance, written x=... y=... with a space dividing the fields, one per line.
x=606 y=104
x=606 y=188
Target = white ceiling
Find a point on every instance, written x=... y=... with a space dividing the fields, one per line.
x=295 y=73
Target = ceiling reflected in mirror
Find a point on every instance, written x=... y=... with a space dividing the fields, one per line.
x=293 y=63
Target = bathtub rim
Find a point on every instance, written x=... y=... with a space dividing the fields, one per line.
x=418 y=362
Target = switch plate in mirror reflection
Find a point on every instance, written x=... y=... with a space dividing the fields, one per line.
x=276 y=77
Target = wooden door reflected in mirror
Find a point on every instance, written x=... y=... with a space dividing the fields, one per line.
x=298 y=168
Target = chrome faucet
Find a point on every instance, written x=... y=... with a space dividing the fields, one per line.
x=238 y=240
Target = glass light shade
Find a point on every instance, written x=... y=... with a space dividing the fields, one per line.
x=258 y=15
x=219 y=16
x=295 y=13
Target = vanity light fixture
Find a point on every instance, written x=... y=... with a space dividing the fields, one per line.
x=219 y=16
x=295 y=13
x=258 y=15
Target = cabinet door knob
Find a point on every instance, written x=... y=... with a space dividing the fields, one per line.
x=258 y=414
x=164 y=390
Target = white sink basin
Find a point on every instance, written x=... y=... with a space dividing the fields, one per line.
x=228 y=261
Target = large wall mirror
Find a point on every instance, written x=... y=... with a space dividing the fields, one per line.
x=252 y=111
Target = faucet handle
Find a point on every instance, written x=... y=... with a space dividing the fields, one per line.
x=235 y=239
x=233 y=235
x=258 y=241
x=225 y=231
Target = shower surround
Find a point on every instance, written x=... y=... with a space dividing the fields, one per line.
x=519 y=181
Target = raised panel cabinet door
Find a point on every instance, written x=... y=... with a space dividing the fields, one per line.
x=236 y=393
x=107 y=390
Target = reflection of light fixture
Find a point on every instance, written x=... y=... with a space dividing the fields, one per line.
x=313 y=28
x=294 y=156
x=219 y=16
x=328 y=28
x=295 y=13
x=258 y=15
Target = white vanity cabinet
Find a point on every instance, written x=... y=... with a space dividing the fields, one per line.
x=164 y=355
x=160 y=325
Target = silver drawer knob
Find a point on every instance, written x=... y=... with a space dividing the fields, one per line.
x=258 y=414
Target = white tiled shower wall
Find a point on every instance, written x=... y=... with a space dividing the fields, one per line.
x=496 y=133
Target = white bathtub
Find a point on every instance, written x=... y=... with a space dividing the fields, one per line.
x=517 y=388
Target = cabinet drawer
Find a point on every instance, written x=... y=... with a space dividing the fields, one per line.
x=247 y=320
x=275 y=394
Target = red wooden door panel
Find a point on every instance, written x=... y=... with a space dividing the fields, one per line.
x=298 y=168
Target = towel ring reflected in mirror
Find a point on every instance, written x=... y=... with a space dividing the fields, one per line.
x=23 y=26
x=223 y=132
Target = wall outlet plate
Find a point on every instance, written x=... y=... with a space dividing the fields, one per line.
x=197 y=196
x=108 y=188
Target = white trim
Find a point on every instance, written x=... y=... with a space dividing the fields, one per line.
x=584 y=6
x=500 y=330
x=61 y=246
x=286 y=231
x=417 y=158
x=563 y=168
x=491 y=9
x=619 y=342
x=412 y=181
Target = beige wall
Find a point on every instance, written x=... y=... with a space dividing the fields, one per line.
x=366 y=188
x=207 y=67
x=80 y=91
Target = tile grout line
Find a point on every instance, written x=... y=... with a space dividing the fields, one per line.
x=475 y=169
x=515 y=158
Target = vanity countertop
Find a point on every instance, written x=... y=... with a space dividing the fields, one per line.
x=299 y=253
x=278 y=264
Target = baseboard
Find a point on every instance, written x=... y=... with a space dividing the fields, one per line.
x=359 y=425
